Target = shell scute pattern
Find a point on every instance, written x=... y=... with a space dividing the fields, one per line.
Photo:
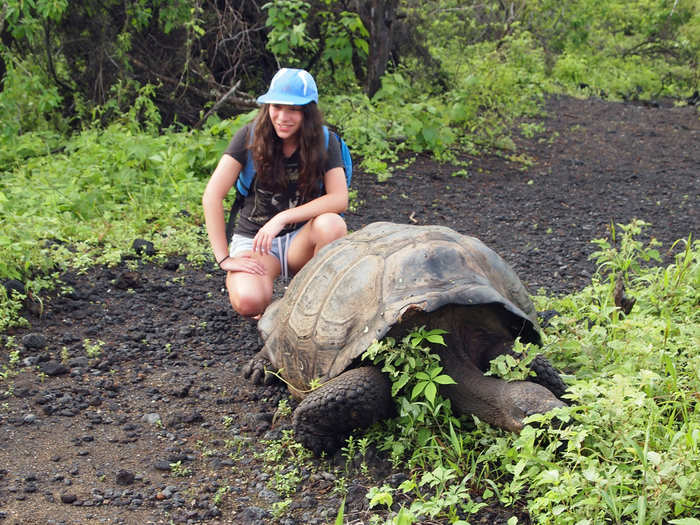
x=358 y=287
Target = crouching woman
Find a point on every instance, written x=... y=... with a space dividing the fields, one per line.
x=297 y=195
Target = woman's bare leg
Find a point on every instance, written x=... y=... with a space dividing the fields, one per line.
x=313 y=236
x=249 y=293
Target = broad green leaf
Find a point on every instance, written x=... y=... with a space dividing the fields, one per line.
x=444 y=380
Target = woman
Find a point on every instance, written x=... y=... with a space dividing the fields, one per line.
x=293 y=207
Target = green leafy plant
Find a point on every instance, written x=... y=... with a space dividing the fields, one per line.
x=630 y=443
x=177 y=469
x=220 y=493
x=93 y=349
x=288 y=35
x=624 y=253
x=284 y=481
x=515 y=366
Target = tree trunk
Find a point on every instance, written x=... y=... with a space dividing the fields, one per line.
x=378 y=17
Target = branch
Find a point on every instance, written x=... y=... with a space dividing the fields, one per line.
x=229 y=94
x=236 y=101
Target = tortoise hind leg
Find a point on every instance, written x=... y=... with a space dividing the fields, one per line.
x=355 y=399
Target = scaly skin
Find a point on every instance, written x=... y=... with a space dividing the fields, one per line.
x=353 y=400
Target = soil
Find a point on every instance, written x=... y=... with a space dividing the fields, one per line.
x=90 y=433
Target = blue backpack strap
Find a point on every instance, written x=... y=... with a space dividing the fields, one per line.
x=344 y=153
x=245 y=177
x=243 y=184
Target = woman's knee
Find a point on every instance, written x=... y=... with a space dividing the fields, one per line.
x=328 y=227
x=247 y=301
x=246 y=306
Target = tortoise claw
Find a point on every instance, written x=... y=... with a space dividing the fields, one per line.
x=255 y=370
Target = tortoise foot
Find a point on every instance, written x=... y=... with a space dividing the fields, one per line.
x=256 y=370
x=355 y=399
x=547 y=376
x=524 y=399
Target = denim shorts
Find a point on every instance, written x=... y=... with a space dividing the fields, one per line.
x=280 y=247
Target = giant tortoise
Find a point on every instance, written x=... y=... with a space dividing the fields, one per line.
x=386 y=279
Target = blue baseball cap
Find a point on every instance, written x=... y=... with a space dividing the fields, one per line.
x=291 y=87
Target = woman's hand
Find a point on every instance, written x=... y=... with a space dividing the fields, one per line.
x=245 y=264
x=262 y=242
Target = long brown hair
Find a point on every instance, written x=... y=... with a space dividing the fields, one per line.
x=269 y=159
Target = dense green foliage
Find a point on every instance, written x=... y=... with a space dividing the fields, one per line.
x=92 y=157
x=630 y=445
x=82 y=201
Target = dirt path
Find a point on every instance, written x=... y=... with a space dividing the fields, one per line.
x=91 y=436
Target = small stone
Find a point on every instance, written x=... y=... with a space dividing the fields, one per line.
x=152 y=419
x=53 y=368
x=68 y=499
x=124 y=477
x=30 y=361
x=162 y=465
x=144 y=247
x=34 y=341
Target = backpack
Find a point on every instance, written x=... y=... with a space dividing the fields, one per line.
x=246 y=176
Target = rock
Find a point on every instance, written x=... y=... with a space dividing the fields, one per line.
x=162 y=465
x=68 y=498
x=79 y=362
x=143 y=247
x=396 y=479
x=356 y=497
x=269 y=496
x=124 y=477
x=127 y=280
x=186 y=418
x=152 y=419
x=171 y=266
x=254 y=514
x=53 y=368
x=13 y=285
x=34 y=341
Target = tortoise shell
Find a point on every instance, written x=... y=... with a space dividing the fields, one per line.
x=359 y=287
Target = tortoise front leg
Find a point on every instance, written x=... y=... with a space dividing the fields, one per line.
x=355 y=399
x=493 y=400
x=255 y=370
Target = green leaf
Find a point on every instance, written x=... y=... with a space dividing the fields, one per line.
x=435 y=338
x=418 y=388
x=444 y=380
x=430 y=392
x=340 y=518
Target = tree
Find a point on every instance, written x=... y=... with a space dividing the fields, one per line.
x=379 y=17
